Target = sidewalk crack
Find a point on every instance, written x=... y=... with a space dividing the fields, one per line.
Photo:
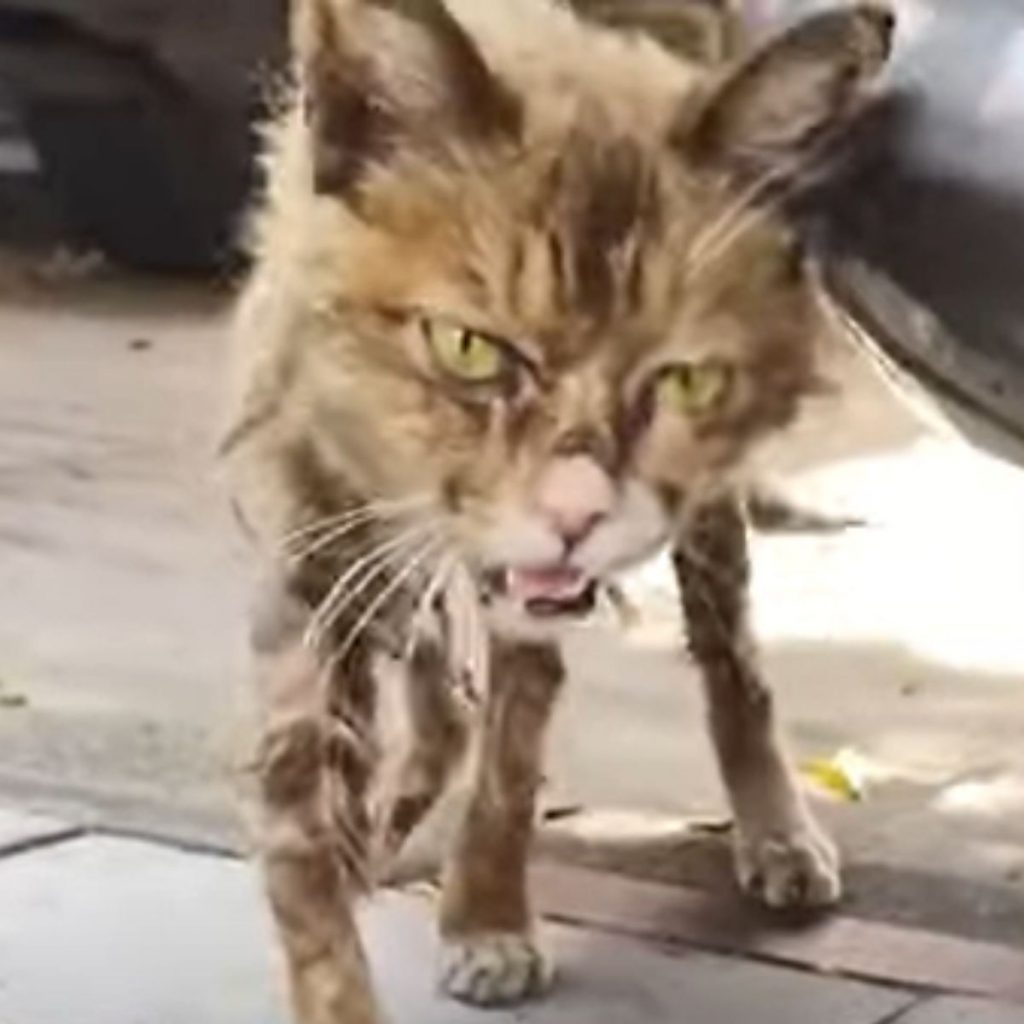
x=19 y=848
x=905 y=1011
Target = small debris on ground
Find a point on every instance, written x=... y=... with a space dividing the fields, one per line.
x=10 y=698
x=843 y=777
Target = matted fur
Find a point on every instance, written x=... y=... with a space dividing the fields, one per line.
x=600 y=202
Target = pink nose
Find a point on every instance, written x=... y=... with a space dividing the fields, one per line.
x=573 y=495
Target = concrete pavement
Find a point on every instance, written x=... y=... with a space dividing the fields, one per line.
x=123 y=593
x=97 y=929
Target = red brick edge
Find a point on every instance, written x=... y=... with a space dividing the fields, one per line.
x=834 y=944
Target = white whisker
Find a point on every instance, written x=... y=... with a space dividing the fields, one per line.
x=333 y=535
x=357 y=577
x=401 y=577
x=437 y=582
x=368 y=510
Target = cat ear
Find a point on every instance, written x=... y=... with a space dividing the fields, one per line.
x=697 y=30
x=798 y=89
x=377 y=74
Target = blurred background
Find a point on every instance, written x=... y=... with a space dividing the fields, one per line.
x=127 y=126
x=126 y=163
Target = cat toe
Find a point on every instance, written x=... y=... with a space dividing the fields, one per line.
x=494 y=970
x=794 y=870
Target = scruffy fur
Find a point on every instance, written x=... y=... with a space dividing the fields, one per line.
x=592 y=184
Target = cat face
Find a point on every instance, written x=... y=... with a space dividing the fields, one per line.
x=545 y=296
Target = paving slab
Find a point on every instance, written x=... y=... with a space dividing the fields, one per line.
x=964 y=1011
x=609 y=980
x=23 y=831
x=100 y=930
x=108 y=931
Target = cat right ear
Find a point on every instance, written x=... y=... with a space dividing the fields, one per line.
x=380 y=74
x=768 y=114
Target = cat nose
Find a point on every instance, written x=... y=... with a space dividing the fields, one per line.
x=574 y=495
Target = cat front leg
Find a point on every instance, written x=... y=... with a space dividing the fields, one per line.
x=490 y=954
x=312 y=773
x=438 y=726
x=783 y=856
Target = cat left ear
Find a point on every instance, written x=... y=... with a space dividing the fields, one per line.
x=773 y=110
x=378 y=74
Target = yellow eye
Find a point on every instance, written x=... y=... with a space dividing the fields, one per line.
x=693 y=388
x=465 y=354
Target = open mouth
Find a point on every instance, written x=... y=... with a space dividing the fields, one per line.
x=560 y=591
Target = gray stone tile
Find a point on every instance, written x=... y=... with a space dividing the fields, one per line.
x=108 y=931
x=608 y=980
x=964 y=1011
x=20 y=831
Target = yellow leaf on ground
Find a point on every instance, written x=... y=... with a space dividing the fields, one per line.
x=837 y=777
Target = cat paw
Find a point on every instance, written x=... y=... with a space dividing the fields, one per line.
x=789 y=870
x=494 y=970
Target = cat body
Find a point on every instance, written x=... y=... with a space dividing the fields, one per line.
x=518 y=317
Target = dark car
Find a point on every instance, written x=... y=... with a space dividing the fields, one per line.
x=921 y=238
x=138 y=116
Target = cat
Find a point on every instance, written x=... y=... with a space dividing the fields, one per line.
x=521 y=308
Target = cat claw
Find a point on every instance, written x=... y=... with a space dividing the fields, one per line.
x=494 y=970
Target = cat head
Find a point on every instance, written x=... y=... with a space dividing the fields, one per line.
x=548 y=290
